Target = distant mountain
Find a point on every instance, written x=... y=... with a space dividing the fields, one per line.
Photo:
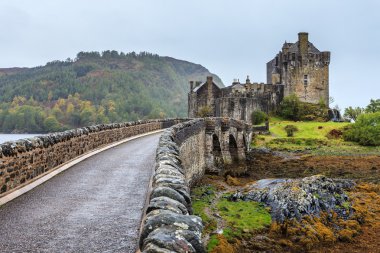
x=95 y=88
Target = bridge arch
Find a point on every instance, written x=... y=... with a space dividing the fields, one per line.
x=233 y=148
x=217 y=151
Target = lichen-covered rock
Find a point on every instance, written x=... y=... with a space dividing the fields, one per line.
x=169 y=176
x=152 y=248
x=177 y=240
x=170 y=163
x=170 y=193
x=9 y=148
x=168 y=180
x=161 y=218
x=166 y=203
x=168 y=170
x=294 y=198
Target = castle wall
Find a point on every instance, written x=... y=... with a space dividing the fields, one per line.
x=204 y=96
x=241 y=108
x=317 y=87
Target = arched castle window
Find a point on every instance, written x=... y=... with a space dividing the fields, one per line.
x=305 y=80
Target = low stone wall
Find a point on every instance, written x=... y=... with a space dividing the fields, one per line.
x=181 y=160
x=23 y=160
x=169 y=225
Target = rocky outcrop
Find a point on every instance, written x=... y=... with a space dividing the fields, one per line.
x=294 y=198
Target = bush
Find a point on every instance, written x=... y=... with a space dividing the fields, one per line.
x=258 y=117
x=205 y=111
x=290 y=130
x=366 y=130
x=334 y=134
x=292 y=108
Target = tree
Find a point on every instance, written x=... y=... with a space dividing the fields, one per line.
x=374 y=106
x=353 y=113
x=290 y=107
x=366 y=130
x=51 y=124
x=258 y=117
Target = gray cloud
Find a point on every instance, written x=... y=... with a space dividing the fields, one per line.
x=231 y=38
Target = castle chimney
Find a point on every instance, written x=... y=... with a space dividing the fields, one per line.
x=191 y=86
x=303 y=39
x=210 y=99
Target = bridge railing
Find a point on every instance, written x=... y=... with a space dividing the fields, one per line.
x=25 y=160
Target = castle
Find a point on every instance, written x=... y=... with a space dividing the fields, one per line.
x=299 y=68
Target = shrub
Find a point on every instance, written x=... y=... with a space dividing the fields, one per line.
x=258 y=117
x=366 y=130
x=292 y=108
x=290 y=130
x=205 y=111
x=334 y=134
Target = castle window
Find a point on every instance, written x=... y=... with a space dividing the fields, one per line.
x=305 y=80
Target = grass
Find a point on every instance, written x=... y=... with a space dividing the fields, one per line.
x=244 y=215
x=312 y=137
x=202 y=197
x=311 y=129
x=241 y=217
x=212 y=243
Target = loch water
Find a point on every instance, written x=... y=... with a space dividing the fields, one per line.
x=13 y=137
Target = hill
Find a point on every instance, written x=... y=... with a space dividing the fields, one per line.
x=95 y=88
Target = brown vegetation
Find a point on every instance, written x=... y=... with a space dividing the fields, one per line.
x=287 y=165
x=327 y=233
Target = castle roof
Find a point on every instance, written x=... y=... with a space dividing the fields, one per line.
x=198 y=87
x=201 y=85
x=238 y=86
x=294 y=48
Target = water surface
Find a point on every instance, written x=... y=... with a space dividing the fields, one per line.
x=13 y=137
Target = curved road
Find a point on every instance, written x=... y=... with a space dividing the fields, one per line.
x=95 y=206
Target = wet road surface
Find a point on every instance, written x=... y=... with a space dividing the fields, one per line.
x=95 y=206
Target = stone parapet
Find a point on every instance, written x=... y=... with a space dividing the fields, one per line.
x=24 y=160
x=182 y=157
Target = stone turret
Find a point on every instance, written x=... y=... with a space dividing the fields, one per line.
x=302 y=69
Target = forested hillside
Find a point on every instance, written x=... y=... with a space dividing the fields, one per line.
x=95 y=88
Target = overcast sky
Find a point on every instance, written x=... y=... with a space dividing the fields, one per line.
x=230 y=38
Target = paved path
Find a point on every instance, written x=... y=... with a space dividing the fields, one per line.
x=95 y=206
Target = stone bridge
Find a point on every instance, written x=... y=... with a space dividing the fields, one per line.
x=97 y=204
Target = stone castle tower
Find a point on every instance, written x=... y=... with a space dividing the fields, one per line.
x=299 y=68
x=302 y=69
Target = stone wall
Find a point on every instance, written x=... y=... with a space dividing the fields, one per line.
x=181 y=160
x=23 y=160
